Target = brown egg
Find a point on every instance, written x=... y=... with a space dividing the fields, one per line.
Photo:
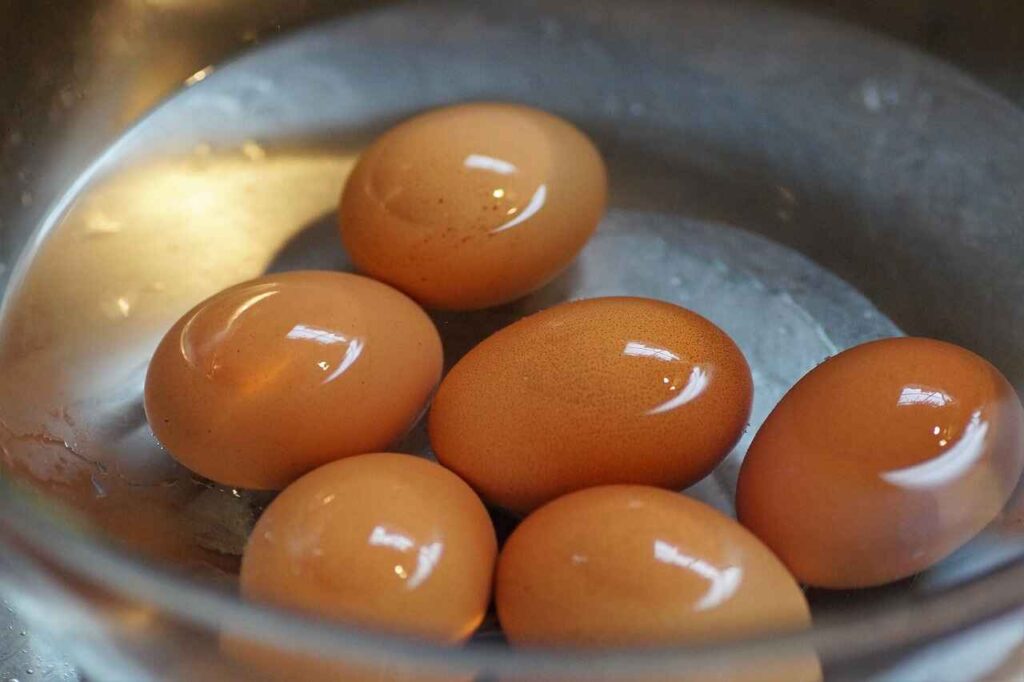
x=631 y=565
x=881 y=461
x=271 y=378
x=262 y=663
x=384 y=541
x=606 y=390
x=473 y=205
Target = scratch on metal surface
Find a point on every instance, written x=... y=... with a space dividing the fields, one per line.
x=818 y=329
x=48 y=439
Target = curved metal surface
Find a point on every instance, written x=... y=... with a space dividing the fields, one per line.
x=914 y=166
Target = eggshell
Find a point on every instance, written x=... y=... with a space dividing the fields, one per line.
x=262 y=663
x=384 y=541
x=271 y=378
x=621 y=565
x=606 y=390
x=473 y=205
x=882 y=461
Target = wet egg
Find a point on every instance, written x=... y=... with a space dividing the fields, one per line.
x=271 y=378
x=600 y=391
x=473 y=205
x=262 y=663
x=630 y=565
x=881 y=461
x=384 y=541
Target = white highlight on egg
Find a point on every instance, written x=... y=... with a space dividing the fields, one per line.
x=427 y=557
x=536 y=203
x=427 y=560
x=695 y=385
x=382 y=537
x=301 y=331
x=923 y=395
x=482 y=162
x=325 y=337
x=949 y=466
x=724 y=582
x=638 y=349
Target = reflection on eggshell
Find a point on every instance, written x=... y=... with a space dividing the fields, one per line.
x=606 y=390
x=633 y=565
x=271 y=378
x=473 y=205
x=881 y=461
x=384 y=541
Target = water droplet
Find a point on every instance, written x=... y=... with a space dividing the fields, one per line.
x=253 y=151
x=199 y=76
x=30 y=671
x=23 y=633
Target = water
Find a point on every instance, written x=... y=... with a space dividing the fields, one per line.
x=240 y=172
x=147 y=239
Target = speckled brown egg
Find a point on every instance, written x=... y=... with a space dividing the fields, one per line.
x=622 y=565
x=269 y=379
x=473 y=205
x=385 y=541
x=262 y=663
x=881 y=461
x=606 y=390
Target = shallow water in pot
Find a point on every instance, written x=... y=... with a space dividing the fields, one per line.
x=240 y=172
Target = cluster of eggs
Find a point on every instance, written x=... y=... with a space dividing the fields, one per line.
x=585 y=419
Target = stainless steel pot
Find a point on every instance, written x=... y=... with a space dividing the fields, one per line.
x=887 y=168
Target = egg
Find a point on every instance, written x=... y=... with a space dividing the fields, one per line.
x=271 y=378
x=605 y=390
x=881 y=461
x=258 y=662
x=625 y=565
x=473 y=205
x=384 y=541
